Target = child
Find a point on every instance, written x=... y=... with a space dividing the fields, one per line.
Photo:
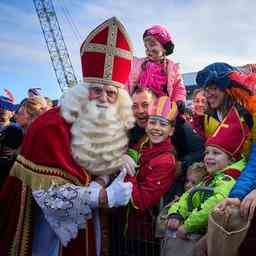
x=156 y=171
x=156 y=72
x=195 y=173
x=223 y=163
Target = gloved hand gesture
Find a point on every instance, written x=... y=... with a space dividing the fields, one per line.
x=119 y=192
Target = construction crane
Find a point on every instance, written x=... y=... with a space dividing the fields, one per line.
x=55 y=43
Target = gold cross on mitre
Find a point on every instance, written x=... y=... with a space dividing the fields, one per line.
x=219 y=127
x=111 y=29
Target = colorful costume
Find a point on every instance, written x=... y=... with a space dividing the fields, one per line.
x=163 y=78
x=154 y=177
x=223 y=76
x=153 y=180
x=172 y=82
x=194 y=206
x=48 y=198
x=247 y=181
x=40 y=165
x=202 y=203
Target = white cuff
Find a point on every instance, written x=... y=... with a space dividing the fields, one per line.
x=111 y=197
x=94 y=191
x=66 y=208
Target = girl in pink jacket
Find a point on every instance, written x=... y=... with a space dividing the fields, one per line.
x=156 y=72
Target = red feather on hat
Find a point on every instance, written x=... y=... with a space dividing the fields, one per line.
x=245 y=93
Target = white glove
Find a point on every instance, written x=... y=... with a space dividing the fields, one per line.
x=119 y=192
x=129 y=165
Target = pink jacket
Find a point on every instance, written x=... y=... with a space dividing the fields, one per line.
x=175 y=86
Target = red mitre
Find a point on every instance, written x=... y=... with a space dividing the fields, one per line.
x=106 y=54
x=230 y=135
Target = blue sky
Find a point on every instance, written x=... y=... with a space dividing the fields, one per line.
x=204 y=32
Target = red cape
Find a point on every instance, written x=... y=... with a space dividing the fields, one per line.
x=47 y=142
x=45 y=156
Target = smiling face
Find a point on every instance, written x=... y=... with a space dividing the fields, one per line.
x=154 y=50
x=199 y=103
x=215 y=97
x=141 y=102
x=158 y=129
x=215 y=159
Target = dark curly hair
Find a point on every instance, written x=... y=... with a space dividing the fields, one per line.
x=169 y=47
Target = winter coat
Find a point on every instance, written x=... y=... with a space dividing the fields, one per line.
x=247 y=181
x=203 y=202
x=154 y=178
x=175 y=87
x=188 y=144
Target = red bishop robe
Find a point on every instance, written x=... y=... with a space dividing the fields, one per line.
x=45 y=159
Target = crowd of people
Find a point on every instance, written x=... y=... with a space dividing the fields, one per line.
x=91 y=173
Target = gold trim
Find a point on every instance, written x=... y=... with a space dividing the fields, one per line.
x=109 y=50
x=16 y=242
x=243 y=132
x=110 y=55
x=26 y=231
x=224 y=125
x=95 y=80
x=41 y=177
x=101 y=27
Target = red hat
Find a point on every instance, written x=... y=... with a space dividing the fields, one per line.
x=230 y=135
x=106 y=54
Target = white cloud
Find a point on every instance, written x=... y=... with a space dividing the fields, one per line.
x=204 y=31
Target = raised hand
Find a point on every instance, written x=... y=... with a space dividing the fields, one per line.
x=119 y=192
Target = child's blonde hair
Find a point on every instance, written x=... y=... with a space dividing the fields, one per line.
x=35 y=105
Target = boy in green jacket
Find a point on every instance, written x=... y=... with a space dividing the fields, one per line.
x=223 y=163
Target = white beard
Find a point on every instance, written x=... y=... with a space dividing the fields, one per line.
x=98 y=139
x=99 y=135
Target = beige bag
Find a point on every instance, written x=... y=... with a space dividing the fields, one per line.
x=178 y=247
x=226 y=232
